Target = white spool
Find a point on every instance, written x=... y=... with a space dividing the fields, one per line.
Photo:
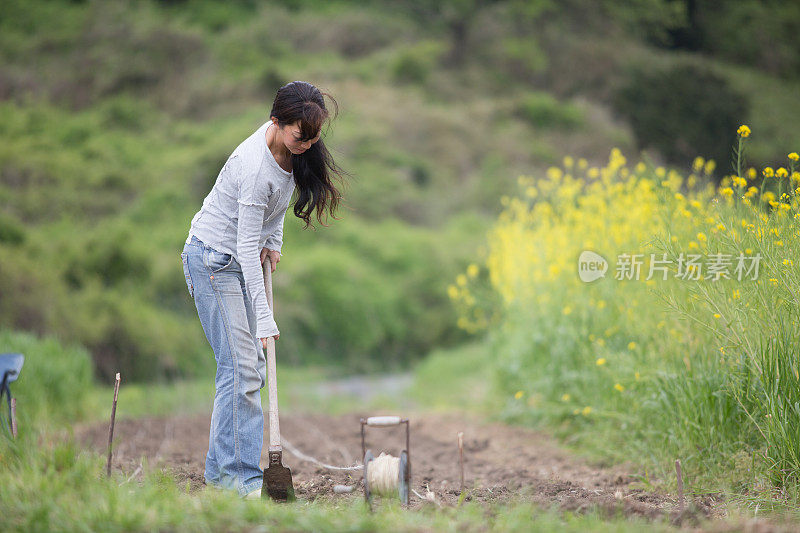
x=386 y=475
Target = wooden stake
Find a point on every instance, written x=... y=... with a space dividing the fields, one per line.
x=111 y=427
x=14 y=417
x=461 y=456
x=681 y=501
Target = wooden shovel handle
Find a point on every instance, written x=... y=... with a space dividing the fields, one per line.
x=272 y=381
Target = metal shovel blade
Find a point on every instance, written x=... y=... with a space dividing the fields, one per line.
x=277 y=483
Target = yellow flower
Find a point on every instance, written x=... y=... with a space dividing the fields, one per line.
x=778 y=243
x=748 y=251
x=452 y=292
x=601 y=361
x=751 y=173
x=631 y=345
x=576 y=411
x=787 y=262
x=726 y=191
x=768 y=172
x=793 y=156
x=568 y=161
x=619 y=387
x=701 y=237
x=461 y=279
x=565 y=397
x=519 y=394
x=582 y=163
x=736 y=295
x=472 y=270
x=698 y=163
x=586 y=410
x=717 y=315
x=743 y=131
x=781 y=172
x=710 y=166
x=554 y=173
x=567 y=310
x=636 y=375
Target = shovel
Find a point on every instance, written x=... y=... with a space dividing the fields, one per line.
x=277 y=483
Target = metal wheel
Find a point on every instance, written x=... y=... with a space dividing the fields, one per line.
x=402 y=477
x=367 y=494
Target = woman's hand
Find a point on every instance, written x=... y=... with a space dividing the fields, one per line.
x=264 y=340
x=274 y=257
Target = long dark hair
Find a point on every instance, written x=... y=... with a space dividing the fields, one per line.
x=314 y=169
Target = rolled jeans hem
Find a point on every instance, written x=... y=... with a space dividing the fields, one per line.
x=249 y=487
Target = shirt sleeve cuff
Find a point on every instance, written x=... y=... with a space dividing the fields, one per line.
x=267 y=330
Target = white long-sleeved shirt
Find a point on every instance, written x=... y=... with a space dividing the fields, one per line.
x=244 y=213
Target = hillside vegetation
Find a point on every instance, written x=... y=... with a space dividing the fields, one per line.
x=117 y=116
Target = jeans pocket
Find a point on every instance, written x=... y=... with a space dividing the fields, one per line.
x=217 y=261
x=186 y=274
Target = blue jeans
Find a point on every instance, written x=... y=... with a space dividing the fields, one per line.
x=216 y=283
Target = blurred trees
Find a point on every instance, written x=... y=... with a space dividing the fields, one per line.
x=682 y=110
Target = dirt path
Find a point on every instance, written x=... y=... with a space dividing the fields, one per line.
x=500 y=461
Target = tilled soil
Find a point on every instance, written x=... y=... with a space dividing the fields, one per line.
x=500 y=462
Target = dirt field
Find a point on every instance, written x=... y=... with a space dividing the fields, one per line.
x=500 y=461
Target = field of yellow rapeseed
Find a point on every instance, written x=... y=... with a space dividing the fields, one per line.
x=654 y=307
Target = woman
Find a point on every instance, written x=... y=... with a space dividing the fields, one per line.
x=239 y=226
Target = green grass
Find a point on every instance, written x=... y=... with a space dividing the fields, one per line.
x=456 y=379
x=58 y=487
x=48 y=483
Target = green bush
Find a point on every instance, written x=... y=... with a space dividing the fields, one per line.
x=54 y=379
x=11 y=231
x=544 y=111
x=415 y=63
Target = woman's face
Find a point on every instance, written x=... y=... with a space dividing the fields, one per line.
x=292 y=136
